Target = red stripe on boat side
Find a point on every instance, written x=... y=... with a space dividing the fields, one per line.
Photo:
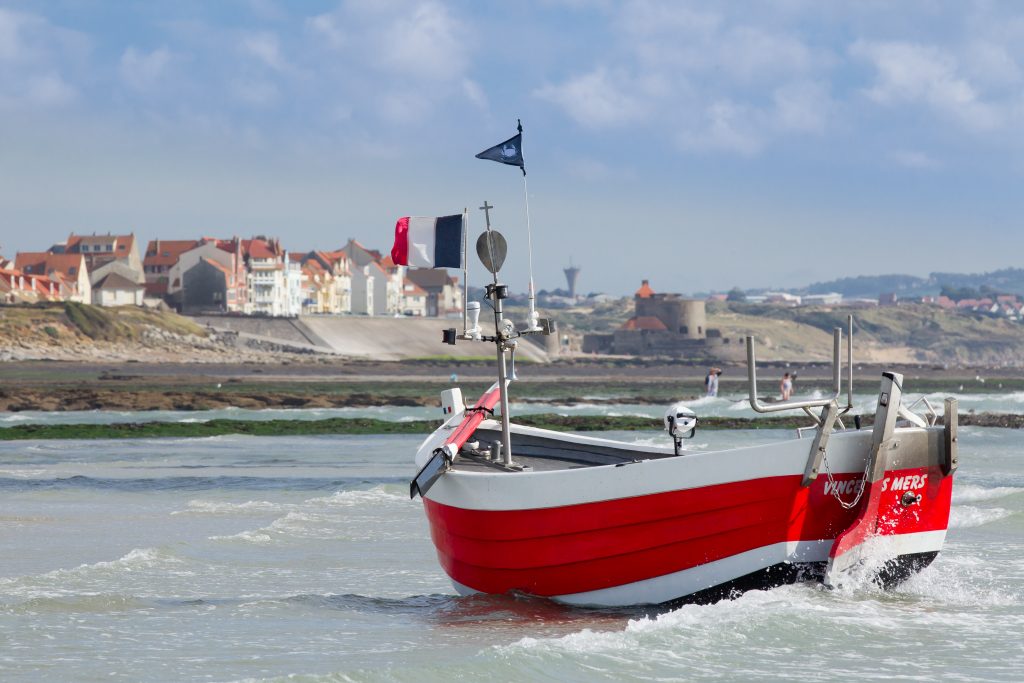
x=564 y=550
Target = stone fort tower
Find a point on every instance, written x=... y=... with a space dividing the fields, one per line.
x=682 y=316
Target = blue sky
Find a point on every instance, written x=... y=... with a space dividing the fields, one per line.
x=700 y=146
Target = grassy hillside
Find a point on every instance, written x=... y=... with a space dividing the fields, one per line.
x=73 y=327
x=906 y=333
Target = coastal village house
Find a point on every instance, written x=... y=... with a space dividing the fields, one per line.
x=232 y=292
x=210 y=275
x=376 y=282
x=68 y=270
x=161 y=256
x=18 y=288
x=327 y=282
x=414 y=299
x=208 y=287
x=115 y=289
x=265 y=277
x=443 y=293
x=106 y=254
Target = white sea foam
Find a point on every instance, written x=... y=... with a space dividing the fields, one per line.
x=966 y=516
x=257 y=536
x=969 y=493
x=960 y=579
x=380 y=495
x=22 y=473
x=215 y=507
x=63 y=581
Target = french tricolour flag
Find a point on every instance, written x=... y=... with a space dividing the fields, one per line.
x=423 y=242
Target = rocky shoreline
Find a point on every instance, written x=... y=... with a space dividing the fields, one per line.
x=339 y=426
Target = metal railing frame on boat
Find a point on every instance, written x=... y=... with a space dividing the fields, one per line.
x=831 y=411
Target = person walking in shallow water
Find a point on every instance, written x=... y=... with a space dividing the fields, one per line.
x=786 y=386
x=711 y=382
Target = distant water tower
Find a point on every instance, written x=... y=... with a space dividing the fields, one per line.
x=571 y=273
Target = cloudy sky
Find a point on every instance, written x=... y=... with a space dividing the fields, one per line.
x=699 y=145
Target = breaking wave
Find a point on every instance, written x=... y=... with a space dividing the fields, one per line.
x=966 y=516
x=968 y=493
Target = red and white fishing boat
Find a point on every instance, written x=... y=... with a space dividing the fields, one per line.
x=591 y=521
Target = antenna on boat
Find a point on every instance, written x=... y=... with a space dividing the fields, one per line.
x=492 y=249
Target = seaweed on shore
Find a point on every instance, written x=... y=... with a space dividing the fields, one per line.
x=359 y=426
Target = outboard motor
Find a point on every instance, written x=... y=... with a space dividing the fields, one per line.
x=681 y=423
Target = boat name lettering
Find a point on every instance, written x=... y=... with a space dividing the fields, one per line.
x=843 y=488
x=907 y=483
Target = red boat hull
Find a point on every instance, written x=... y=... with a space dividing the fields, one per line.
x=601 y=549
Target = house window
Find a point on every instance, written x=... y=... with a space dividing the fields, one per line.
x=120 y=247
x=683 y=329
x=110 y=247
x=71 y=271
x=700 y=330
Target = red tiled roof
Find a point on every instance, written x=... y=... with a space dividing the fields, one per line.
x=644 y=322
x=127 y=241
x=46 y=263
x=313 y=266
x=172 y=248
x=257 y=249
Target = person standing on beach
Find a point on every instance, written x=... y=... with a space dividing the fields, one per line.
x=711 y=382
x=786 y=386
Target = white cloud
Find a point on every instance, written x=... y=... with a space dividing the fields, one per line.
x=427 y=42
x=255 y=92
x=474 y=93
x=991 y=64
x=141 y=70
x=914 y=73
x=802 y=107
x=914 y=159
x=266 y=48
x=49 y=90
x=36 y=57
x=326 y=27
x=725 y=126
x=599 y=99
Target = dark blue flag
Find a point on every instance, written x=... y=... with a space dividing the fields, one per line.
x=509 y=152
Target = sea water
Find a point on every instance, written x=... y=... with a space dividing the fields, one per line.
x=241 y=558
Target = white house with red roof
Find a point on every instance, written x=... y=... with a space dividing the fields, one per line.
x=326 y=281
x=68 y=270
x=16 y=287
x=266 y=277
x=106 y=254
